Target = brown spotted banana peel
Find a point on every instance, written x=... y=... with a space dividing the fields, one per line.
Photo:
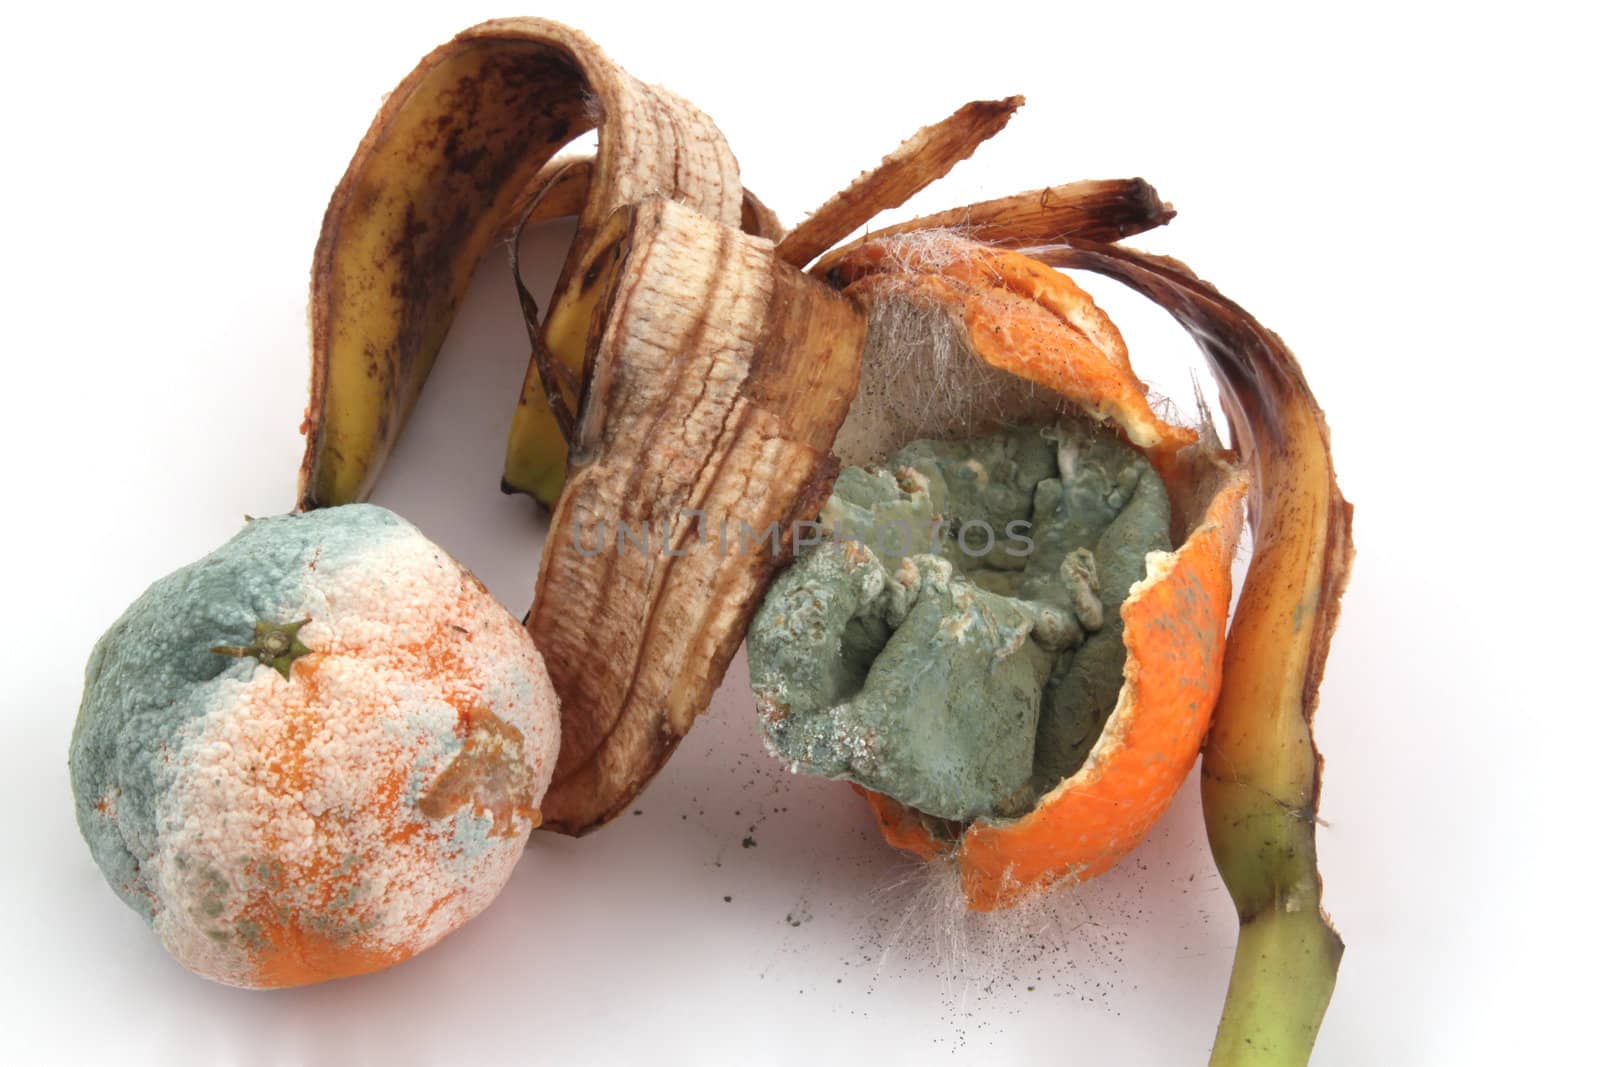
x=754 y=360
x=458 y=149
x=718 y=380
x=1099 y=210
x=1260 y=770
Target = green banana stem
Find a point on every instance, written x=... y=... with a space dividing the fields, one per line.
x=1261 y=774
x=1283 y=974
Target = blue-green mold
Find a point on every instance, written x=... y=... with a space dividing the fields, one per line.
x=155 y=670
x=956 y=640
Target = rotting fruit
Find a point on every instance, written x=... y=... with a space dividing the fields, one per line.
x=698 y=361
x=314 y=752
x=956 y=642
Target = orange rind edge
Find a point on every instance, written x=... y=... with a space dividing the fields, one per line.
x=1174 y=623
x=1023 y=317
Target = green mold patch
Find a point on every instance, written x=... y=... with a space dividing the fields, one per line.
x=955 y=640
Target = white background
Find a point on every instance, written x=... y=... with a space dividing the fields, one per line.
x=1406 y=194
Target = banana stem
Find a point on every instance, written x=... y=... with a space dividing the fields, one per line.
x=1283 y=974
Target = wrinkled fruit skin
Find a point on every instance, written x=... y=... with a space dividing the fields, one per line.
x=280 y=831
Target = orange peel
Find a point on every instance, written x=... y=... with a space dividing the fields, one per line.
x=1174 y=623
x=1023 y=317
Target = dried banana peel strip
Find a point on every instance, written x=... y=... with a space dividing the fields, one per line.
x=919 y=161
x=1098 y=210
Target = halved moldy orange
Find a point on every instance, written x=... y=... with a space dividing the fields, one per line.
x=1024 y=319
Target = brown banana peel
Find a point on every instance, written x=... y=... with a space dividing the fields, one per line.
x=1106 y=210
x=919 y=161
x=717 y=383
x=458 y=148
x=716 y=379
x=460 y=155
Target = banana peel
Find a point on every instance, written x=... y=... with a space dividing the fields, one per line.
x=716 y=379
x=919 y=161
x=687 y=372
x=1098 y=210
x=457 y=148
x=716 y=387
x=463 y=151
x=664 y=299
